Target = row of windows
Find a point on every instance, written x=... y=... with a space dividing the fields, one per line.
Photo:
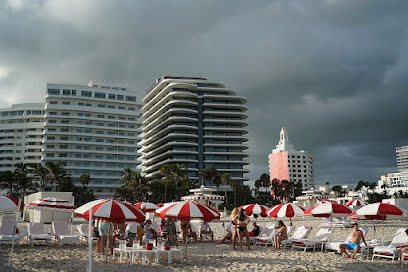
x=92 y=156
x=97 y=105
x=89 y=94
x=90 y=139
x=97 y=148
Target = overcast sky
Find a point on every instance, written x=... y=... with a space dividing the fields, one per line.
x=333 y=72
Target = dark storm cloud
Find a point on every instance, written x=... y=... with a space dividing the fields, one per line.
x=333 y=72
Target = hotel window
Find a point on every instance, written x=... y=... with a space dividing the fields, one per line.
x=80 y=104
x=86 y=94
x=53 y=102
x=66 y=103
x=119 y=97
x=73 y=92
x=112 y=96
x=99 y=95
x=111 y=107
x=132 y=109
x=121 y=108
x=88 y=105
x=100 y=116
x=101 y=106
x=54 y=91
x=66 y=92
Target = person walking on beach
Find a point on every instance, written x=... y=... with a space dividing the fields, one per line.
x=356 y=237
x=282 y=234
x=242 y=221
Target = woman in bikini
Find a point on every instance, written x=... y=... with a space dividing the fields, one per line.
x=282 y=233
x=234 y=214
x=242 y=221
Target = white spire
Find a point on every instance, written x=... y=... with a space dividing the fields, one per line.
x=284 y=144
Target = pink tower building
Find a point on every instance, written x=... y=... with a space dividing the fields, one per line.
x=286 y=163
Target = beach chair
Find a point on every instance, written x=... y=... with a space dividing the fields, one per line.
x=83 y=230
x=336 y=223
x=335 y=245
x=392 y=251
x=321 y=237
x=62 y=234
x=36 y=232
x=264 y=232
x=404 y=259
x=300 y=233
x=205 y=235
x=7 y=224
x=267 y=240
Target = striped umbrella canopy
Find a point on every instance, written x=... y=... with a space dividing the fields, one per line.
x=187 y=210
x=380 y=211
x=356 y=203
x=285 y=210
x=146 y=206
x=160 y=204
x=111 y=210
x=329 y=209
x=9 y=203
x=254 y=209
x=52 y=204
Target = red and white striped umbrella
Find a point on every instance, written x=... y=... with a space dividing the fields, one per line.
x=146 y=206
x=329 y=209
x=356 y=203
x=52 y=204
x=285 y=210
x=112 y=210
x=380 y=211
x=9 y=203
x=254 y=209
x=187 y=210
x=160 y=204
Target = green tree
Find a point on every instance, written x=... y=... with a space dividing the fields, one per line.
x=41 y=172
x=7 y=182
x=172 y=173
x=226 y=180
x=85 y=179
x=208 y=174
x=57 y=173
x=235 y=185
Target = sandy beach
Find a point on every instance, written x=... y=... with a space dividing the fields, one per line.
x=206 y=256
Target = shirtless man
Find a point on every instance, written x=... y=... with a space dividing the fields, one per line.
x=356 y=236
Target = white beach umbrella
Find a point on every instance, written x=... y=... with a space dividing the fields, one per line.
x=10 y=204
x=356 y=203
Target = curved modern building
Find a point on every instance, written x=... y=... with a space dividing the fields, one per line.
x=94 y=129
x=21 y=134
x=195 y=123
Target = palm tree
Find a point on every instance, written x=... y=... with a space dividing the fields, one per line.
x=40 y=171
x=24 y=184
x=225 y=179
x=173 y=173
x=208 y=174
x=235 y=185
x=57 y=172
x=85 y=179
x=265 y=182
x=127 y=176
x=7 y=181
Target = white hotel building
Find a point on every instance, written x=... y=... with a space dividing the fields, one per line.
x=196 y=124
x=93 y=128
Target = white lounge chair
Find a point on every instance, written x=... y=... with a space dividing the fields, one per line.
x=300 y=233
x=36 y=232
x=266 y=240
x=62 y=234
x=336 y=223
x=7 y=228
x=392 y=251
x=263 y=232
x=83 y=230
x=335 y=245
x=321 y=237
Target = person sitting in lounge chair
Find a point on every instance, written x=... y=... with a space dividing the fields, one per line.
x=206 y=229
x=404 y=248
x=186 y=231
x=282 y=233
x=228 y=235
x=356 y=237
x=255 y=230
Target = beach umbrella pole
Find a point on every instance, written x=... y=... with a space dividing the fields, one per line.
x=90 y=241
x=14 y=232
x=382 y=224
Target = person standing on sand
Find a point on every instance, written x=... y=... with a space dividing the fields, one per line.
x=282 y=234
x=106 y=233
x=242 y=221
x=356 y=237
x=233 y=215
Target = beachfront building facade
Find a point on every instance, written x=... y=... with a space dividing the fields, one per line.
x=195 y=123
x=402 y=162
x=21 y=134
x=287 y=163
x=94 y=129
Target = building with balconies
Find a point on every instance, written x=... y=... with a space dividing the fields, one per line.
x=21 y=134
x=94 y=129
x=196 y=124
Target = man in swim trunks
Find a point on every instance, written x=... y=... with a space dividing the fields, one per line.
x=356 y=237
